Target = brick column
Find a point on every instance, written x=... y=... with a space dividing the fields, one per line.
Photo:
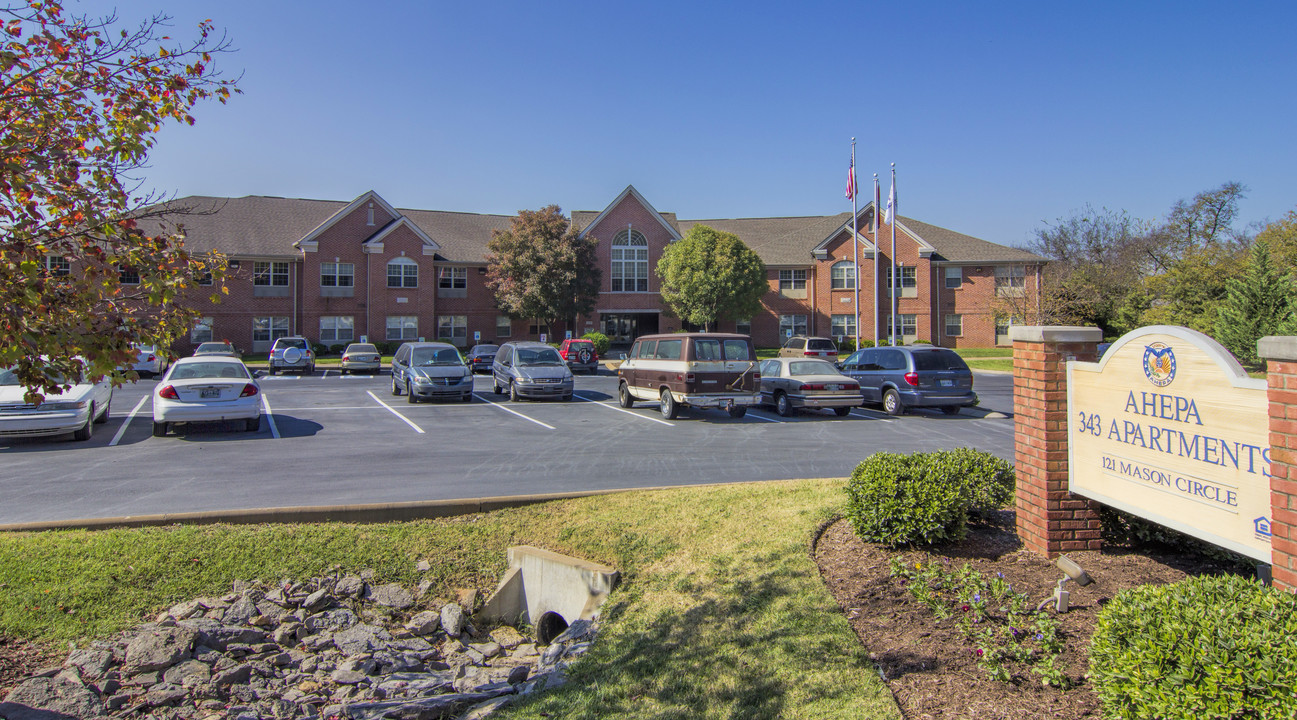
x=1050 y=519
x=1280 y=354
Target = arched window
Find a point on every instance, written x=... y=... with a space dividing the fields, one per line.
x=402 y=272
x=842 y=276
x=629 y=261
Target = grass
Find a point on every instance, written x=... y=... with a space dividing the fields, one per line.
x=721 y=612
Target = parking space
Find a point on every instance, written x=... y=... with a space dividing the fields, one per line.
x=342 y=439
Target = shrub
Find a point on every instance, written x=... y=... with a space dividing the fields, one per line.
x=320 y=349
x=1206 y=647
x=925 y=497
x=1121 y=528
x=601 y=342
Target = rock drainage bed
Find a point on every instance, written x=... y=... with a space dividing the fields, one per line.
x=330 y=647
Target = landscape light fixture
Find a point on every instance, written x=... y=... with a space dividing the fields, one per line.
x=1060 y=597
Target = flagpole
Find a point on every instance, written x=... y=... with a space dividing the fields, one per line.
x=855 y=240
x=891 y=201
x=878 y=199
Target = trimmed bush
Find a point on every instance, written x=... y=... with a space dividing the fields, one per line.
x=1206 y=647
x=925 y=497
x=601 y=342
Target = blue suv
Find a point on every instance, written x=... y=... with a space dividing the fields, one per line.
x=900 y=378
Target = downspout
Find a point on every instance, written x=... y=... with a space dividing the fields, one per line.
x=369 y=282
x=296 y=275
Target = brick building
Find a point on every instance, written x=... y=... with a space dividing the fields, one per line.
x=336 y=272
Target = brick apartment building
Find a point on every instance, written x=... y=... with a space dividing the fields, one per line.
x=337 y=272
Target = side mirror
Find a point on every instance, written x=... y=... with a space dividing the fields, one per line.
x=621 y=356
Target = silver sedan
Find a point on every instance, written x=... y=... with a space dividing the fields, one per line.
x=790 y=384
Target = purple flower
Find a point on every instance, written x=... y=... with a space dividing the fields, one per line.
x=979 y=652
x=965 y=608
x=977 y=597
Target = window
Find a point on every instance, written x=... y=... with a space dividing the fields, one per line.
x=266 y=329
x=503 y=326
x=402 y=327
x=128 y=276
x=202 y=332
x=907 y=281
x=629 y=262
x=669 y=349
x=909 y=325
x=954 y=278
x=202 y=276
x=842 y=276
x=270 y=274
x=743 y=327
x=339 y=328
x=402 y=272
x=535 y=327
x=337 y=274
x=452 y=278
x=1010 y=280
x=1002 y=324
x=453 y=328
x=795 y=323
x=842 y=325
x=954 y=325
x=792 y=280
x=57 y=266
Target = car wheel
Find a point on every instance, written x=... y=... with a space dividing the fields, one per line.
x=842 y=412
x=495 y=386
x=103 y=416
x=624 y=398
x=159 y=429
x=892 y=403
x=410 y=397
x=951 y=409
x=567 y=397
x=513 y=393
x=396 y=389
x=85 y=432
x=738 y=411
x=782 y=406
x=253 y=424
x=273 y=370
x=668 y=407
x=468 y=397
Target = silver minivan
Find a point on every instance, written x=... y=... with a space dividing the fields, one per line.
x=531 y=370
x=430 y=370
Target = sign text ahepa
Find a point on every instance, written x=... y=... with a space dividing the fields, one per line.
x=1169 y=427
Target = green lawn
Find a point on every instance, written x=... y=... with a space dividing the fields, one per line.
x=721 y=612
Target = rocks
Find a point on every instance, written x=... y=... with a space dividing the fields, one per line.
x=332 y=646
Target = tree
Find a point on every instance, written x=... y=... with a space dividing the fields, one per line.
x=1205 y=222
x=1281 y=237
x=542 y=268
x=1258 y=303
x=711 y=275
x=82 y=104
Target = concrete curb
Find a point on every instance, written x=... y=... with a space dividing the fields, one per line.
x=360 y=513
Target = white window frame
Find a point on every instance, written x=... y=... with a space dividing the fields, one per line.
x=743 y=326
x=269 y=273
x=842 y=275
x=958 y=325
x=269 y=329
x=1010 y=280
x=503 y=322
x=337 y=274
x=792 y=280
x=202 y=331
x=452 y=278
x=907 y=279
x=57 y=266
x=128 y=276
x=955 y=274
x=332 y=328
x=452 y=327
x=403 y=276
x=842 y=325
x=796 y=322
x=908 y=321
x=406 y=327
x=629 y=271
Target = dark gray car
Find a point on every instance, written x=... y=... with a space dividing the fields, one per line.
x=430 y=370
x=900 y=378
x=531 y=370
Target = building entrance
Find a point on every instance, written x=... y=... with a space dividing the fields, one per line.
x=623 y=328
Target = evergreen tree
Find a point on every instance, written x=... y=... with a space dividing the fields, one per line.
x=1257 y=304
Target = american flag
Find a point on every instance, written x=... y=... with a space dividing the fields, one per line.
x=851 y=178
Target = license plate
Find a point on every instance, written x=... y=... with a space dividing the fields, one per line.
x=209 y=393
x=947 y=383
x=832 y=387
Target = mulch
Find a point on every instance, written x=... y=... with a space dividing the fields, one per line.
x=930 y=668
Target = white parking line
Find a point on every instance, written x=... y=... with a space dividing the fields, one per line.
x=394 y=412
x=270 y=417
x=871 y=417
x=621 y=409
x=122 y=430
x=325 y=375
x=767 y=419
x=493 y=403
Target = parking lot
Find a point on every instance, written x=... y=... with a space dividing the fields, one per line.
x=329 y=439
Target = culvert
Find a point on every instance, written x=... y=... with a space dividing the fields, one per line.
x=550 y=626
x=548 y=590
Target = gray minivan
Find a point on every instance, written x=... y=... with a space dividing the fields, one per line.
x=430 y=370
x=531 y=370
x=899 y=378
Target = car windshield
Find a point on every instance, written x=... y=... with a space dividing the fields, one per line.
x=213 y=347
x=539 y=356
x=938 y=360
x=811 y=367
x=205 y=370
x=145 y=348
x=361 y=349
x=8 y=378
x=299 y=344
x=820 y=344
x=485 y=349
x=581 y=346
x=435 y=356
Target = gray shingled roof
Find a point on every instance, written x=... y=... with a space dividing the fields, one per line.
x=268 y=226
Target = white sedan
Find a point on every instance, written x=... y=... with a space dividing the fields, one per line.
x=149 y=361
x=76 y=410
x=206 y=389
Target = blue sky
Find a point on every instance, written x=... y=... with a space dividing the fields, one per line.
x=999 y=116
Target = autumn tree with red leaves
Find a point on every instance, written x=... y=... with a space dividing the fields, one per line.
x=81 y=102
x=541 y=267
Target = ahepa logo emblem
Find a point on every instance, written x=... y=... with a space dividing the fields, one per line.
x=1159 y=364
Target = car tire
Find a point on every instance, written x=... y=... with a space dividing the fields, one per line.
x=892 y=402
x=468 y=397
x=159 y=429
x=396 y=389
x=87 y=431
x=410 y=397
x=513 y=392
x=668 y=406
x=273 y=370
x=738 y=411
x=252 y=424
x=842 y=412
x=951 y=409
x=567 y=397
x=783 y=408
x=624 y=398
x=104 y=416
x=495 y=386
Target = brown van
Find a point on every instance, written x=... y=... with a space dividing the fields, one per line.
x=702 y=370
